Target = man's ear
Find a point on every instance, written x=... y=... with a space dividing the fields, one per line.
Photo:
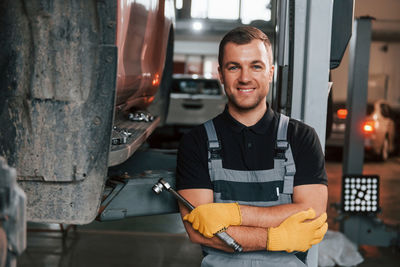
x=221 y=77
x=271 y=73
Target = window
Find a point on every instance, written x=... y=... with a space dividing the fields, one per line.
x=245 y=10
x=199 y=9
x=185 y=86
x=196 y=86
x=223 y=9
x=211 y=88
x=257 y=10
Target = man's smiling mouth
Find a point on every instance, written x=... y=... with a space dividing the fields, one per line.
x=246 y=89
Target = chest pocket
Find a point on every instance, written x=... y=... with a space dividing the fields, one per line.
x=247 y=186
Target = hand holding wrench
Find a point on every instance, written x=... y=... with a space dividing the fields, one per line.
x=158 y=187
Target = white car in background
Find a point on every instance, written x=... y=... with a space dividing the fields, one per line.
x=378 y=129
x=194 y=100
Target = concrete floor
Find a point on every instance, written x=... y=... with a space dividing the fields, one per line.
x=161 y=241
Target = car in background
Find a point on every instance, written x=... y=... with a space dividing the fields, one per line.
x=378 y=129
x=194 y=99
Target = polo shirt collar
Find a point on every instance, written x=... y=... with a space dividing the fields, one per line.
x=261 y=127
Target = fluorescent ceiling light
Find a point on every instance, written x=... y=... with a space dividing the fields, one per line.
x=179 y=4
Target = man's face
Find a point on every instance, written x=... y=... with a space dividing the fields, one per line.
x=246 y=74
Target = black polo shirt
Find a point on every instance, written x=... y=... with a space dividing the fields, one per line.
x=249 y=148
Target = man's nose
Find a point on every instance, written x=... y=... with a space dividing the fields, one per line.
x=245 y=75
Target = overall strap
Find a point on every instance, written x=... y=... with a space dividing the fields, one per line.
x=283 y=153
x=214 y=148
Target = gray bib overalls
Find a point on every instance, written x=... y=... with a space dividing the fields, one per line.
x=257 y=188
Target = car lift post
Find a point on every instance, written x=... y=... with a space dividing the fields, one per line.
x=360 y=43
x=303 y=62
x=362 y=228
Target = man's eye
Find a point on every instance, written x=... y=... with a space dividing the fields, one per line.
x=257 y=67
x=232 y=68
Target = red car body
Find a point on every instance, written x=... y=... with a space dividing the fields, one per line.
x=71 y=70
x=143 y=29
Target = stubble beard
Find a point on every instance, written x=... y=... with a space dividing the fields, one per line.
x=244 y=108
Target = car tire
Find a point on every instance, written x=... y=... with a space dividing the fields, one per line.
x=384 y=155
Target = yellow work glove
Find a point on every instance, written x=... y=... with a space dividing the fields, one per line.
x=212 y=218
x=297 y=234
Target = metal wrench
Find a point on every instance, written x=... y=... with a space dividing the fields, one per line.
x=158 y=188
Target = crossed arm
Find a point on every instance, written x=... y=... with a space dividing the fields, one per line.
x=252 y=234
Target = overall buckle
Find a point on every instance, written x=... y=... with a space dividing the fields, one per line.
x=280 y=149
x=214 y=149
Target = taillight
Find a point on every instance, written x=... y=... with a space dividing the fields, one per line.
x=342 y=113
x=369 y=127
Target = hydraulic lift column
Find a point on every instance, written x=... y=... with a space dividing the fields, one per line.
x=304 y=44
x=360 y=43
x=361 y=228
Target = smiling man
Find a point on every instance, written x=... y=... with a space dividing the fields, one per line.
x=246 y=71
x=251 y=171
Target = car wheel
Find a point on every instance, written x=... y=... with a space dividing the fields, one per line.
x=384 y=155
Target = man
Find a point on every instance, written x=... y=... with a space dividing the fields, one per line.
x=251 y=171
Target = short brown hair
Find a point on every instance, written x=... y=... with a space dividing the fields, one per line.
x=244 y=35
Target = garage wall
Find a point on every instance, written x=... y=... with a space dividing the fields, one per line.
x=384 y=57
